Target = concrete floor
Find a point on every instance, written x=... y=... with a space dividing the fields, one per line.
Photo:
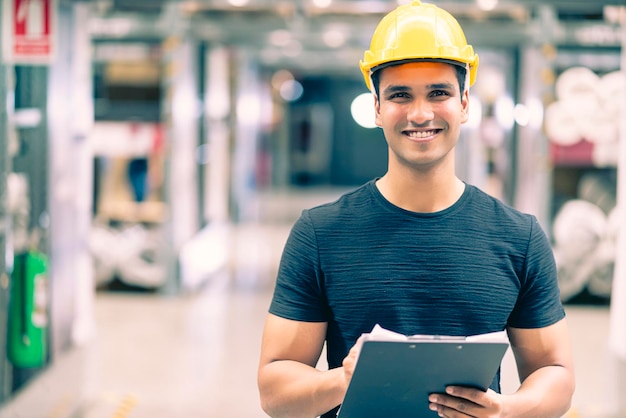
x=196 y=355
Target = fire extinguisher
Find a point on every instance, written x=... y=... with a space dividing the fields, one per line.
x=28 y=316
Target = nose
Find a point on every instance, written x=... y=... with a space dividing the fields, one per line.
x=420 y=111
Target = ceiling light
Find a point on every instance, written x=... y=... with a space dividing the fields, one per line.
x=504 y=112
x=322 y=4
x=291 y=90
x=249 y=109
x=280 y=77
x=362 y=110
x=487 y=5
x=521 y=113
x=238 y=3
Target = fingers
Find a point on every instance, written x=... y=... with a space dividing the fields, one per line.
x=447 y=406
x=464 y=402
x=349 y=362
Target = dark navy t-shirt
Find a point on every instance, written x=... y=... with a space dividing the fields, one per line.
x=478 y=266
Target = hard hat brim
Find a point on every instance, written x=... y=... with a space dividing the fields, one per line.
x=471 y=69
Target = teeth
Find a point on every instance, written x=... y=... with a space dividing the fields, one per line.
x=421 y=134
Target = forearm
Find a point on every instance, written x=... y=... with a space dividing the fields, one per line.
x=295 y=390
x=546 y=393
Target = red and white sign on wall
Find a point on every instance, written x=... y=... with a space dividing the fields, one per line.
x=29 y=31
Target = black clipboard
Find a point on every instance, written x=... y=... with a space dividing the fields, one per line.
x=394 y=378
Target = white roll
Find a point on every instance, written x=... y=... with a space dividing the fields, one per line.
x=611 y=92
x=104 y=248
x=605 y=154
x=142 y=262
x=581 y=105
x=560 y=126
x=570 y=283
x=614 y=223
x=600 y=279
x=575 y=81
x=612 y=85
x=599 y=189
x=599 y=128
x=578 y=227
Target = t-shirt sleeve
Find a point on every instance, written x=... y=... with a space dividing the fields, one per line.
x=298 y=294
x=539 y=301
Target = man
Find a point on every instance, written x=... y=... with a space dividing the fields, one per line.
x=417 y=251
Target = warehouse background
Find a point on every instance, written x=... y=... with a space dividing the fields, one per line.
x=157 y=151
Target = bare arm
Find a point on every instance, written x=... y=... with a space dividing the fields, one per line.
x=545 y=367
x=546 y=370
x=289 y=383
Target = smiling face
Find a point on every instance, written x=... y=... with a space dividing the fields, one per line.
x=420 y=109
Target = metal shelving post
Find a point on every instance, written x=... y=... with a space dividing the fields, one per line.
x=617 y=338
x=4 y=278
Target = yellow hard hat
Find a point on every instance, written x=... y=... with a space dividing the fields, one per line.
x=418 y=31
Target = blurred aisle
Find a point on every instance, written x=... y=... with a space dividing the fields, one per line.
x=189 y=356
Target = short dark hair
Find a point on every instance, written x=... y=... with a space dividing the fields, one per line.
x=461 y=76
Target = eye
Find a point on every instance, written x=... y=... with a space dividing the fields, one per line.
x=439 y=93
x=398 y=95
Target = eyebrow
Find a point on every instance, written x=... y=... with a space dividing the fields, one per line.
x=441 y=86
x=435 y=86
x=395 y=89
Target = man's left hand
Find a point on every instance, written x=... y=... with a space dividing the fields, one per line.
x=466 y=402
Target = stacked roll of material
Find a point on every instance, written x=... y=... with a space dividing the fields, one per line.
x=585 y=248
x=134 y=254
x=587 y=108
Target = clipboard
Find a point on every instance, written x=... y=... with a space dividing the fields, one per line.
x=394 y=378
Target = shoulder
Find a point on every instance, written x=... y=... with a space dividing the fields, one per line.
x=492 y=209
x=340 y=213
x=347 y=205
x=500 y=220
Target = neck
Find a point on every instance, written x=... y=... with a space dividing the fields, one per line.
x=418 y=192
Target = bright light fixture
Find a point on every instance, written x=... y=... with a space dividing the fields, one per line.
x=322 y=4
x=504 y=112
x=522 y=114
x=238 y=3
x=362 y=109
x=487 y=5
x=291 y=90
x=280 y=77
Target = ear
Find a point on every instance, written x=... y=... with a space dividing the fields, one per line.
x=377 y=111
x=465 y=106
